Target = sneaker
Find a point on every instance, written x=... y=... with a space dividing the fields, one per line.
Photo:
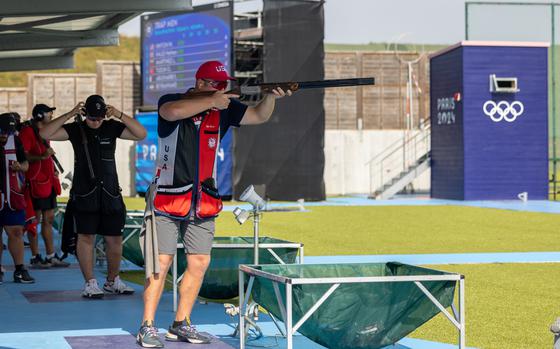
x=147 y=336
x=23 y=277
x=57 y=262
x=117 y=287
x=92 y=290
x=1 y=277
x=38 y=262
x=186 y=333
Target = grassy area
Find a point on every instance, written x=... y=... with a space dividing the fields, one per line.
x=342 y=230
x=507 y=306
x=400 y=229
x=422 y=229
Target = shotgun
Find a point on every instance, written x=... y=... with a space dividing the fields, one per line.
x=255 y=89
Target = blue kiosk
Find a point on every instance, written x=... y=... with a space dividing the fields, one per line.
x=489 y=121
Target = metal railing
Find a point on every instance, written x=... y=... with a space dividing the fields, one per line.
x=399 y=157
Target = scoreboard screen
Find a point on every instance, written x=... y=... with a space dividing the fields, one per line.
x=175 y=45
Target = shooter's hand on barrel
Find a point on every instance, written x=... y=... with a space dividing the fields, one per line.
x=261 y=113
x=279 y=92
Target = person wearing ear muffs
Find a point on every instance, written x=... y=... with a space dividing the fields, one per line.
x=13 y=164
x=43 y=185
x=98 y=205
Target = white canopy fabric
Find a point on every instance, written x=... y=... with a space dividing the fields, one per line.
x=39 y=34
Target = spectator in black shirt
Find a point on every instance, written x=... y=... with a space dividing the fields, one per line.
x=95 y=194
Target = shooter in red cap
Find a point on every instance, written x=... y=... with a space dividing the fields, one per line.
x=185 y=197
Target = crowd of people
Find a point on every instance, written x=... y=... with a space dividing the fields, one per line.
x=31 y=185
x=182 y=201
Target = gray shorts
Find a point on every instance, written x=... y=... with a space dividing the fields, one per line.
x=196 y=234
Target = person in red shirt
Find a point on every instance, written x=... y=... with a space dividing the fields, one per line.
x=30 y=220
x=43 y=184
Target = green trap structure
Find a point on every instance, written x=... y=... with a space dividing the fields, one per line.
x=221 y=280
x=351 y=306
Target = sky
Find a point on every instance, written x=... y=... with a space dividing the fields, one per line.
x=416 y=21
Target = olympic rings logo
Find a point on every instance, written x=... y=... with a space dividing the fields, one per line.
x=503 y=110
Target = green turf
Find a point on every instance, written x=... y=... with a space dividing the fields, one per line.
x=405 y=230
x=329 y=230
x=507 y=306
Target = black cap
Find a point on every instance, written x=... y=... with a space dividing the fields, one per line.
x=7 y=123
x=40 y=110
x=95 y=106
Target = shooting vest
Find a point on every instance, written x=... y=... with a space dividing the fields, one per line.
x=186 y=169
x=41 y=176
x=95 y=186
x=11 y=190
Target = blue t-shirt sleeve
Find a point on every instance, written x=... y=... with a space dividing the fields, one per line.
x=165 y=128
x=232 y=116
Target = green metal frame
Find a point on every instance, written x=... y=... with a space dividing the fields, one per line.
x=554 y=159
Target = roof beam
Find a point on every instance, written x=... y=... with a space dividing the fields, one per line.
x=57 y=7
x=37 y=63
x=86 y=38
x=40 y=22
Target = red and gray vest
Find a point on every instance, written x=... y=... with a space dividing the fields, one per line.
x=11 y=190
x=186 y=169
x=41 y=174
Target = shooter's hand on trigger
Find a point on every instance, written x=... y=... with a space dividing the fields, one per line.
x=221 y=100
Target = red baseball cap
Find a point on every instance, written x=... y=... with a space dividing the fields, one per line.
x=213 y=70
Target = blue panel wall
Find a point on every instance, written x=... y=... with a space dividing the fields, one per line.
x=478 y=154
x=446 y=124
x=146 y=151
x=504 y=158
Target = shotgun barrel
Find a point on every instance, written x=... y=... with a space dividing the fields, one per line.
x=254 y=89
